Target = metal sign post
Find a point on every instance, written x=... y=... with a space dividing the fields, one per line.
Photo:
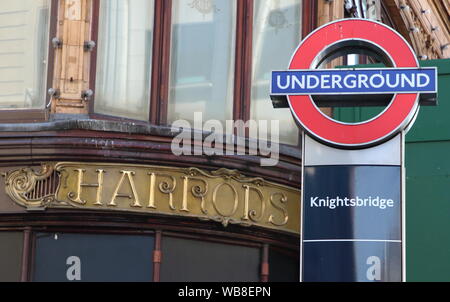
x=353 y=201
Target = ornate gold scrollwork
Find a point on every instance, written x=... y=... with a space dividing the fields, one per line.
x=225 y=221
x=20 y=183
x=227 y=174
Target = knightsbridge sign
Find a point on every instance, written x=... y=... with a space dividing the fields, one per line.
x=224 y=196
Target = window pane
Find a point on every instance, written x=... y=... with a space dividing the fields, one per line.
x=276 y=23
x=191 y=260
x=24 y=26
x=283 y=267
x=85 y=257
x=202 y=59
x=124 y=58
x=11 y=245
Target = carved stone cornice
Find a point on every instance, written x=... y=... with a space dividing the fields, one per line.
x=116 y=141
x=329 y=11
x=427 y=25
x=71 y=60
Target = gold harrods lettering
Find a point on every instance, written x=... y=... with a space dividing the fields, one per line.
x=223 y=195
x=76 y=196
x=223 y=199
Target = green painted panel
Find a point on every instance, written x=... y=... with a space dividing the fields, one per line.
x=433 y=122
x=357 y=114
x=428 y=211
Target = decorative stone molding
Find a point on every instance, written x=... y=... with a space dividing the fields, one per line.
x=427 y=25
x=329 y=11
x=71 y=59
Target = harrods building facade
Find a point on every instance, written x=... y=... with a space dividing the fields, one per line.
x=91 y=189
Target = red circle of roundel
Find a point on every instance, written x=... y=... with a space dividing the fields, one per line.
x=398 y=114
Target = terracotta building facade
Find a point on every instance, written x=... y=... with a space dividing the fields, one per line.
x=90 y=91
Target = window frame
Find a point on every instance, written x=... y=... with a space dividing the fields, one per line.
x=158 y=40
x=24 y=115
x=160 y=73
x=309 y=23
x=159 y=231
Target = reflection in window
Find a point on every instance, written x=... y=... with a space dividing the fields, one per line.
x=11 y=248
x=124 y=58
x=194 y=261
x=202 y=59
x=276 y=35
x=84 y=257
x=24 y=26
x=284 y=267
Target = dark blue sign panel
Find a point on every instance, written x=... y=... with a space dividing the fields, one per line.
x=352 y=216
x=354 y=81
x=352 y=261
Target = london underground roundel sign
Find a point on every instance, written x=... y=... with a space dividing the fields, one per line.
x=405 y=80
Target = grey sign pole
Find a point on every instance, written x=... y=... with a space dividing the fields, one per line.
x=353 y=212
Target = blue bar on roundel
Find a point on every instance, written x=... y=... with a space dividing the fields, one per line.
x=354 y=81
